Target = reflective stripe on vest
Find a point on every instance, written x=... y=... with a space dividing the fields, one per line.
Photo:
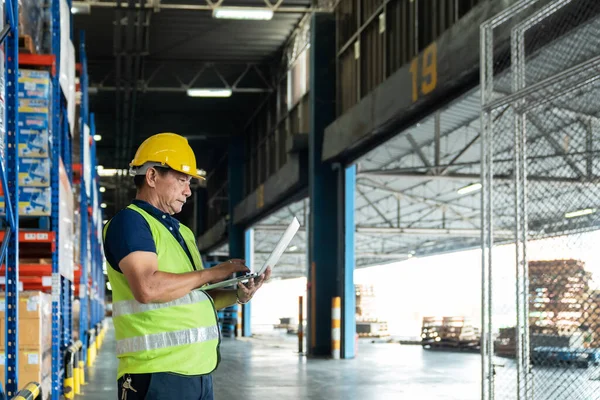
x=127 y=307
x=167 y=339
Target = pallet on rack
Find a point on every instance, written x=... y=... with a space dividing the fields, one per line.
x=26 y=45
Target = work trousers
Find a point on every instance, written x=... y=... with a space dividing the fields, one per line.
x=166 y=386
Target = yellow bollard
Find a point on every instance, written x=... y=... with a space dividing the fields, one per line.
x=31 y=391
x=76 y=383
x=81 y=373
x=68 y=388
x=90 y=360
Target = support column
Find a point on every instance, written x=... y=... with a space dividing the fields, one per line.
x=246 y=311
x=348 y=294
x=237 y=235
x=324 y=267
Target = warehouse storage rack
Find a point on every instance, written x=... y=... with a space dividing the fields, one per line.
x=20 y=233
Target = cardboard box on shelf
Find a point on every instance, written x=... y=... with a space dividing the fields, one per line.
x=33 y=201
x=34 y=172
x=34 y=84
x=35 y=321
x=34 y=114
x=34 y=143
x=34 y=366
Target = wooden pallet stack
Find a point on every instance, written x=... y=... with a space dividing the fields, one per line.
x=563 y=310
x=449 y=331
x=558 y=291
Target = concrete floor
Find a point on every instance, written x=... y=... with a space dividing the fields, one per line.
x=101 y=378
x=266 y=370
x=268 y=367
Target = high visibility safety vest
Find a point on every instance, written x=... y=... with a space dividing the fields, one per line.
x=180 y=336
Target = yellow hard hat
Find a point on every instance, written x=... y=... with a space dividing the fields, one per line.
x=168 y=149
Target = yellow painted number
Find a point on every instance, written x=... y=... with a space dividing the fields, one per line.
x=427 y=79
x=260 y=197
x=414 y=66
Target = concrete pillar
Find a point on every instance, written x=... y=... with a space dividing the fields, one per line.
x=235 y=180
x=324 y=198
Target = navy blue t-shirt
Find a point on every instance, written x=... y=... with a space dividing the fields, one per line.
x=129 y=231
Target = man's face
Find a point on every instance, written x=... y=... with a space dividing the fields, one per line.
x=172 y=189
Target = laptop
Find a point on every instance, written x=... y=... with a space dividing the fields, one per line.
x=273 y=258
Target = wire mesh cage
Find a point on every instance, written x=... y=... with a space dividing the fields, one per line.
x=540 y=123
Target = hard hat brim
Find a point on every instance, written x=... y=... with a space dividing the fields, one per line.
x=184 y=169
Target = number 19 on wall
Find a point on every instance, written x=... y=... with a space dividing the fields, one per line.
x=424 y=79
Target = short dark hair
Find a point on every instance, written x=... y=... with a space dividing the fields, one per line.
x=140 y=180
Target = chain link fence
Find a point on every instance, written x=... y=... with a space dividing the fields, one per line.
x=541 y=173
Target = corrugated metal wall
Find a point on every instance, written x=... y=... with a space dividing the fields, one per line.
x=285 y=114
x=377 y=37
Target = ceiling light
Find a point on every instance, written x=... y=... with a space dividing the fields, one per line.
x=293 y=248
x=112 y=172
x=81 y=7
x=209 y=92
x=102 y=189
x=580 y=213
x=97 y=138
x=248 y=13
x=103 y=205
x=468 y=189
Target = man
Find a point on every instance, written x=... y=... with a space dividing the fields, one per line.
x=167 y=333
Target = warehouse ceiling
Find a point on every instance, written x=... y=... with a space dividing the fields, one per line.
x=144 y=55
x=419 y=194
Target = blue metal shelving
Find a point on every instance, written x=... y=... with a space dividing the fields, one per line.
x=61 y=152
x=56 y=135
x=84 y=323
x=97 y=312
x=10 y=185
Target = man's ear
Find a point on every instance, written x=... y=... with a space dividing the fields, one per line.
x=151 y=176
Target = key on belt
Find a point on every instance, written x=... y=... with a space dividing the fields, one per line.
x=127 y=386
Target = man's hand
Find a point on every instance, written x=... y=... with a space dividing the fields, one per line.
x=223 y=271
x=247 y=290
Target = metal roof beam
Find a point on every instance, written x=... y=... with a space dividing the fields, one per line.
x=402 y=231
x=382 y=215
x=199 y=69
x=358 y=254
x=181 y=89
x=416 y=198
x=429 y=231
x=278 y=7
x=418 y=150
x=555 y=145
x=469 y=177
